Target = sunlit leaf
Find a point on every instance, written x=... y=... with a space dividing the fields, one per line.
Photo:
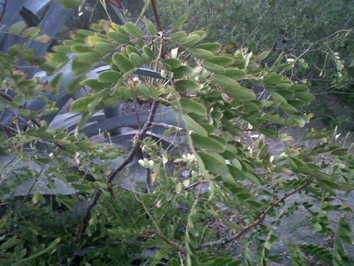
x=193 y=106
x=17 y=28
x=81 y=105
x=184 y=85
x=207 y=143
x=179 y=35
x=190 y=40
x=214 y=163
x=194 y=126
x=122 y=62
x=180 y=21
x=134 y=30
x=31 y=32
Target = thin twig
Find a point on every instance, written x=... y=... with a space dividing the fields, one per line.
x=170 y=243
x=259 y=220
x=29 y=191
x=137 y=113
x=10 y=99
x=130 y=156
x=159 y=27
x=4 y=9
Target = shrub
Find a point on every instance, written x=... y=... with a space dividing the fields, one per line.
x=202 y=178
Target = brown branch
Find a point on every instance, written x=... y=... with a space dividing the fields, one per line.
x=29 y=191
x=10 y=99
x=4 y=9
x=127 y=160
x=170 y=243
x=137 y=113
x=159 y=27
x=259 y=220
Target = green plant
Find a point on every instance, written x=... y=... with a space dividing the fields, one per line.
x=177 y=211
x=320 y=33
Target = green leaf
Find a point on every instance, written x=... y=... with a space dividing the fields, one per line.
x=80 y=67
x=143 y=90
x=81 y=105
x=213 y=67
x=273 y=79
x=269 y=133
x=182 y=71
x=136 y=60
x=24 y=112
x=214 y=163
x=36 y=197
x=190 y=40
x=109 y=76
x=225 y=82
x=263 y=55
x=221 y=60
x=19 y=98
x=122 y=62
x=26 y=54
x=236 y=173
x=62 y=49
x=304 y=96
x=81 y=187
x=194 y=126
x=69 y=4
x=31 y=32
x=149 y=52
x=83 y=121
x=344 y=224
x=57 y=59
x=45 y=38
x=318 y=227
x=172 y=62
x=89 y=58
x=179 y=35
x=343 y=235
x=131 y=49
x=240 y=94
x=193 y=106
x=15 y=49
x=104 y=48
x=36 y=61
x=207 y=143
x=43 y=251
x=151 y=28
x=180 y=21
x=118 y=37
x=212 y=47
x=10 y=243
x=201 y=53
x=73 y=178
x=184 y=85
x=17 y=28
x=75 y=86
x=56 y=81
x=235 y=74
x=134 y=30
x=201 y=33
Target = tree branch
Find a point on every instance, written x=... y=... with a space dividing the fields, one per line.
x=259 y=219
x=127 y=160
x=3 y=10
x=170 y=243
x=159 y=28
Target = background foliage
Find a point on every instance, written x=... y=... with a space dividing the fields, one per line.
x=319 y=32
x=202 y=186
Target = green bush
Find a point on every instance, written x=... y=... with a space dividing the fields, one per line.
x=177 y=215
